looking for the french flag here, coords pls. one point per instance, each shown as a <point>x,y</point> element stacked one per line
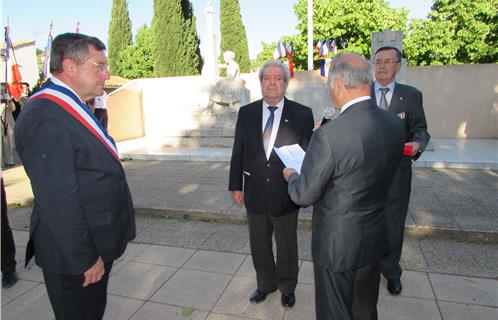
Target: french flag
<point>319,47</point>
<point>283,49</point>
<point>333,47</point>
<point>326,48</point>
<point>290,51</point>
<point>277,54</point>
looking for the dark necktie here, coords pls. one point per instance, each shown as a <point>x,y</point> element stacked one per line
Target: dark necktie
<point>383,100</point>
<point>268,127</point>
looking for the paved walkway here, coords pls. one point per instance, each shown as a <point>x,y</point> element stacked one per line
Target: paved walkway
<point>441,153</point>
<point>180,267</point>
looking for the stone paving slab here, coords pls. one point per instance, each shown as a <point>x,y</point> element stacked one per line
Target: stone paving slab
<point>161,281</point>
<point>457,311</point>
<point>442,200</point>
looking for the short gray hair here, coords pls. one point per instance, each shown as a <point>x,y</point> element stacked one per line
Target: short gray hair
<point>72,46</point>
<point>353,74</point>
<point>275,63</point>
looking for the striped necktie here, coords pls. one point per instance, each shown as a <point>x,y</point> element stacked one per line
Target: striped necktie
<point>268,127</point>
<point>383,100</point>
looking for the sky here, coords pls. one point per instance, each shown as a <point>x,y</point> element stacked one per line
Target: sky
<point>264,20</point>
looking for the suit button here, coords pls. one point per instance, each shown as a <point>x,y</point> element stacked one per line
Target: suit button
<point>267,179</point>
<point>268,165</point>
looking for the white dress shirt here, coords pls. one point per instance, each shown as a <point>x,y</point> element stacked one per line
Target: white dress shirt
<point>356,100</point>
<point>276,123</point>
<point>389,94</point>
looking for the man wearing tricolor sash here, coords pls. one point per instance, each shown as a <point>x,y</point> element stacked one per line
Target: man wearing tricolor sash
<point>83,215</point>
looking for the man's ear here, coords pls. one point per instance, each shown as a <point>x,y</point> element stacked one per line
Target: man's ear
<point>69,65</point>
<point>398,66</point>
<point>339,83</point>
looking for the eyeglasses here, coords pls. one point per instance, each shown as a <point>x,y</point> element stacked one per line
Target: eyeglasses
<point>100,66</point>
<point>385,62</point>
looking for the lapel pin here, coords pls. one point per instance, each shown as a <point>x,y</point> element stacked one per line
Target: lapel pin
<point>286,120</point>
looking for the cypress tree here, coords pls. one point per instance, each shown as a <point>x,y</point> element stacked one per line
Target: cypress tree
<point>233,33</point>
<point>175,43</point>
<point>120,35</point>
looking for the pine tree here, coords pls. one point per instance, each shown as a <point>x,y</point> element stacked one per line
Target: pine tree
<point>233,33</point>
<point>175,43</point>
<point>120,35</point>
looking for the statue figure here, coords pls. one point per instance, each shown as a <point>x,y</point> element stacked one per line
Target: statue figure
<point>233,69</point>
<point>231,90</point>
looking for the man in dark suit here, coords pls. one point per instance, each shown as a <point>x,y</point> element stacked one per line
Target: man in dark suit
<point>406,102</point>
<point>346,173</point>
<point>83,214</point>
<point>274,121</point>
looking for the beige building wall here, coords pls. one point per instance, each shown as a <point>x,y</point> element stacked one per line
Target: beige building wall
<point>460,101</point>
<point>26,59</point>
<point>125,112</point>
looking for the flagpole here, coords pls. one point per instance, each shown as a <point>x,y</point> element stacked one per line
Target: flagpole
<point>310,34</point>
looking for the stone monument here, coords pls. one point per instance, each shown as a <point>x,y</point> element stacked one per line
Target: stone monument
<point>230,91</point>
<point>392,39</point>
<point>209,69</point>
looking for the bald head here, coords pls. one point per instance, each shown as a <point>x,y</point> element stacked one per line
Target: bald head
<point>350,77</point>
<point>353,69</point>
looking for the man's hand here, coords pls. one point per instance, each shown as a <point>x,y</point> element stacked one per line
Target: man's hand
<point>317,125</point>
<point>95,273</point>
<point>287,172</point>
<point>238,197</point>
<point>415,147</point>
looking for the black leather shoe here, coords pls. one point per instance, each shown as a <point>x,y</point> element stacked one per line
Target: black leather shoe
<point>288,300</point>
<point>9,279</point>
<point>259,296</point>
<point>394,286</point>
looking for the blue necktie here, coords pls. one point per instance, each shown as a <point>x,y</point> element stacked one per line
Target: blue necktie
<point>268,127</point>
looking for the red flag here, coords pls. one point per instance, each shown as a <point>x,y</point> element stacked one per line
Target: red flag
<point>15,86</point>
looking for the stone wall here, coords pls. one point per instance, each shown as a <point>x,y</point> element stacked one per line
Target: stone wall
<point>460,101</point>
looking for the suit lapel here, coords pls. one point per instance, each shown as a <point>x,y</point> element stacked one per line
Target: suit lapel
<point>286,121</point>
<point>257,115</point>
<point>396,100</point>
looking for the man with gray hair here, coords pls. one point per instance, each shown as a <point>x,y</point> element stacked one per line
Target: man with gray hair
<point>346,173</point>
<point>256,180</point>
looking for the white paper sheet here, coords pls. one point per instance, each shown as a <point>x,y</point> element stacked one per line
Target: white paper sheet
<point>292,156</point>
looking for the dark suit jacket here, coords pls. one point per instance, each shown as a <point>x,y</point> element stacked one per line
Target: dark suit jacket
<point>406,101</point>
<point>82,207</point>
<point>346,173</point>
<point>265,190</point>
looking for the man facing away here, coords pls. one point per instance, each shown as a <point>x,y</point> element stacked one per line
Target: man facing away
<point>346,173</point>
<point>83,214</point>
<point>256,180</point>
<point>406,102</point>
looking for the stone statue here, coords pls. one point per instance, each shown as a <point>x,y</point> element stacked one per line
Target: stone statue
<point>230,91</point>
<point>233,69</point>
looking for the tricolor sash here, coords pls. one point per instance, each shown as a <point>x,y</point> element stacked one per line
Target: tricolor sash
<point>67,100</point>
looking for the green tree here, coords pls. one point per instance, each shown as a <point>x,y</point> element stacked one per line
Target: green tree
<point>137,60</point>
<point>175,43</point>
<point>349,22</point>
<point>233,33</point>
<point>456,31</point>
<point>119,35</point>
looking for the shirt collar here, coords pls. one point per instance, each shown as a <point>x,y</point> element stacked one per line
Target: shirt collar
<point>377,86</point>
<point>350,103</point>
<point>59,82</point>
<point>278,105</point>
